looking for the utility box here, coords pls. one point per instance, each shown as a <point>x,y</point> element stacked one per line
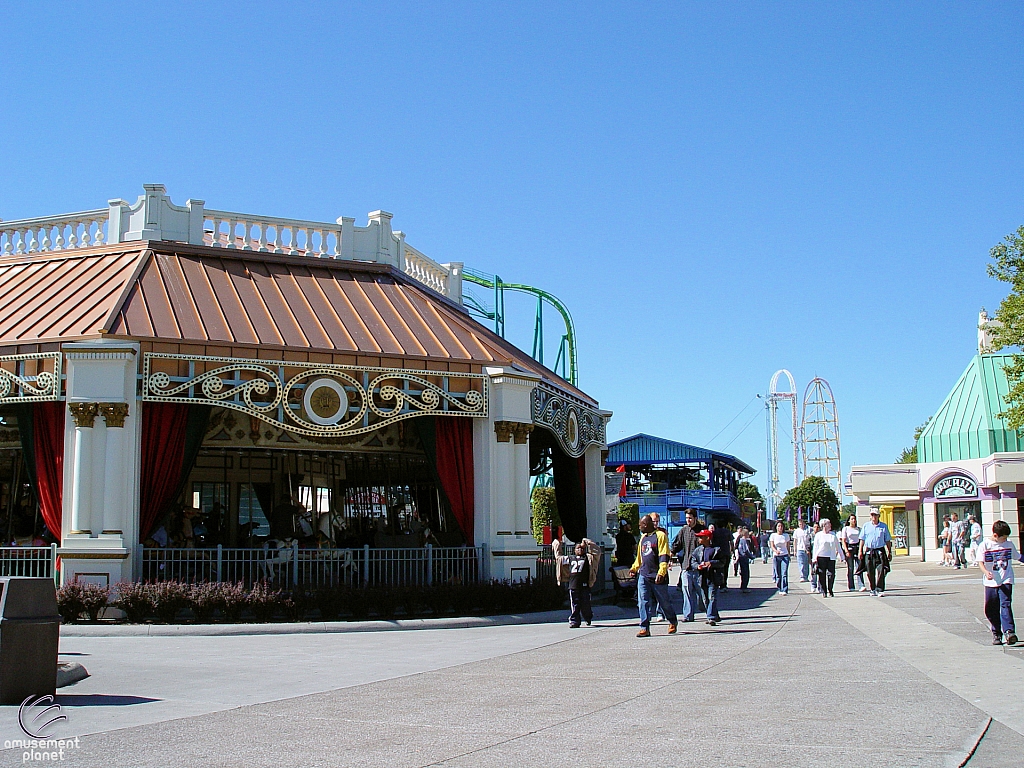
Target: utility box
<point>29,636</point>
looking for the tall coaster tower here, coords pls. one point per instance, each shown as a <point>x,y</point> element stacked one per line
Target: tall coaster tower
<point>774,497</point>
<point>821,434</point>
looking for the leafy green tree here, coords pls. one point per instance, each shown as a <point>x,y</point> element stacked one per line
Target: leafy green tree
<point>849,509</point>
<point>747,490</point>
<point>1008,266</point>
<point>813,490</point>
<point>544,509</point>
<point>631,513</point>
<point>909,455</point>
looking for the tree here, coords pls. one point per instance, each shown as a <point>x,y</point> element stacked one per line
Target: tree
<point>747,490</point>
<point>1008,266</point>
<point>544,509</point>
<point>909,455</point>
<point>813,490</point>
<point>631,514</point>
<point>849,509</point>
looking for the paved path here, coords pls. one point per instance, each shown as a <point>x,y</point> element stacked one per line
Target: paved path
<point>794,675</point>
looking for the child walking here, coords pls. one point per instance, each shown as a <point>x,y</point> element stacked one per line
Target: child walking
<point>579,572</point>
<point>996,556</point>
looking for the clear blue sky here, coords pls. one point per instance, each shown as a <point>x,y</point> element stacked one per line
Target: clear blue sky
<point>717,190</point>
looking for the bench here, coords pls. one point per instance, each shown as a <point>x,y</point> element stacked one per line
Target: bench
<point>624,582</point>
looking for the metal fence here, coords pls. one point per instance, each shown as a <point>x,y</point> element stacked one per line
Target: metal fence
<point>40,562</point>
<point>290,566</point>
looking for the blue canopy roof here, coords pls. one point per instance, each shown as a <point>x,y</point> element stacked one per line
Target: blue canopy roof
<point>644,450</point>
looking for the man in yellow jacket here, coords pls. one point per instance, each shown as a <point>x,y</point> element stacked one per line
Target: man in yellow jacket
<point>651,570</point>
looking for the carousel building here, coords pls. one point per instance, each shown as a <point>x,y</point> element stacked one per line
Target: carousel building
<point>178,380</point>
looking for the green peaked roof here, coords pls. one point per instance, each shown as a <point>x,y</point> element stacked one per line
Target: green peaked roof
<point>967,424</point>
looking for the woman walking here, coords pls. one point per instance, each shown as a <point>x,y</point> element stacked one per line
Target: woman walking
<point>849,538</point>
<point>779,542</point>
<point>825,553</point>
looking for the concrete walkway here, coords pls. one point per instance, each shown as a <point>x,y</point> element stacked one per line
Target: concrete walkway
<point>792,676</point>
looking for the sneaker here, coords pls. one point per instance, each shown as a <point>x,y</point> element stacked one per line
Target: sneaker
<point>830,594</point>
<point>672,628</point>
<point>881,593</point>
<point>644,633</point>
<point>1011,638</point>
<point>997,639</point>
<point>714,622</point>
<point>863,589</point>
<point>658,619</point>
<point>784,592</point>
<point>588,623</point>
<point>574,626</point>
<point>874,593</point>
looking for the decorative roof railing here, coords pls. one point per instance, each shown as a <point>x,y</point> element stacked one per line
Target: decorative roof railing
<point>154,217</point>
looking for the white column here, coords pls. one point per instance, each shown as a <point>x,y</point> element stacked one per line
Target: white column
<point>114,479</point>
<point>84,415</point>
<point>521,479</point>
<point>503,468</point>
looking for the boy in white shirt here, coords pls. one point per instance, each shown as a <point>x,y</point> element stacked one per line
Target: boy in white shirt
<point>996,556</point>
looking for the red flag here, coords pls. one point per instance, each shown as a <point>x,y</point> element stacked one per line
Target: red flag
<point>622,468</point>
<point>622,488</point>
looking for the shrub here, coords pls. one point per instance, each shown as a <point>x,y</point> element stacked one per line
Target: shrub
<point>438,598</point>
<point>330,601</point>
<point>135,599</point>
<point>204,598</point>
<point>544,510</point>
<point>264,601</point>
<point>234,600</point>
<point>169,598</point>
<point>298,603</point>
<point>384,600</point>
<point>358,603</point>
<point>70,602</point>
<point>411,599</point>
<point>94,599</point>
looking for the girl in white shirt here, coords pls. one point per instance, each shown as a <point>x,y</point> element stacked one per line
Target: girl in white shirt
<point>825,551</point>
<point>849,537</point>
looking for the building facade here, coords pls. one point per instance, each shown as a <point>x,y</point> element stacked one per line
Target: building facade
<point>186,377</point>
<point>969,462</point>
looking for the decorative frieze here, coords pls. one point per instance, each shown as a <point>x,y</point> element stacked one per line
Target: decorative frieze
<point>575,424</point>
<point>317,400</point>
<point>84,414</point>
<point>18,385</point>
<point>114,414</point>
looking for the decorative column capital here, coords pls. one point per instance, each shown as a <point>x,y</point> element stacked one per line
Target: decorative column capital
<point>84,414</point>
<point>504,430</point>
<point>521,433</point>
<point>114,414</point>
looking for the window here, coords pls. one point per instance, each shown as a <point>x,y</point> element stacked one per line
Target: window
<point>250,512</point>
<point>205,495</point>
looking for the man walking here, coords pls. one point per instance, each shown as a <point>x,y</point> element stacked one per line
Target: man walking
<point>682,547</point>
<point>651,570</point>
<point>802,545</point>
<point>956,532</point>
<point>876,552</point>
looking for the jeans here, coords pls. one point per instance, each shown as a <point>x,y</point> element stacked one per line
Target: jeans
<point>999,608</point>
<point>803,563</point>
<point>744,572</point>
<point>579,604</point>
<point>688,586</point>
<point>780,567</point>
<point>877,562</point>
<point>959,558</point>
<point>709,591</point>
<point>649,595</point>
<point>765,554</point>
<point>852,564</point>
<point>826,575</point>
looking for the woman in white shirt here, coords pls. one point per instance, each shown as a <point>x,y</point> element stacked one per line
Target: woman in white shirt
<point>849,537</point>
<point>825,551</point>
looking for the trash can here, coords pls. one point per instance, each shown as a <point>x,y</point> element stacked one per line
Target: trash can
<point>29,635</point>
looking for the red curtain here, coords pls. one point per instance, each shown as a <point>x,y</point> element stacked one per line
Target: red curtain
<point>455,468</point>
<point>48,449</point>
<point>164,426</point>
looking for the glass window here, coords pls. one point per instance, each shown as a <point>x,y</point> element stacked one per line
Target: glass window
<point>205,495</point>
<point>251,512</point>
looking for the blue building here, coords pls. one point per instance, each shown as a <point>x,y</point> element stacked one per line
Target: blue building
<point>668,477</point>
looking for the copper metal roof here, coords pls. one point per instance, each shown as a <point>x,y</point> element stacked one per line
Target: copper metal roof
<point>196,294</point>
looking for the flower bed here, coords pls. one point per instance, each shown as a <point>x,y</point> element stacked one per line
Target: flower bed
<point>175,602</point>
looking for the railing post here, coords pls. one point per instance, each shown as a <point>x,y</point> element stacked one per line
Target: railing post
<point>485,564</point>
<point>53,565</point>
<point>220,561</point>
<point>430,563</point>
<point>366,564</point>
<point>295,563</point>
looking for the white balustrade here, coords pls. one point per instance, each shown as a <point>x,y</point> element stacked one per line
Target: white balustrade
<point>154,217</point>
<point>53,233</point>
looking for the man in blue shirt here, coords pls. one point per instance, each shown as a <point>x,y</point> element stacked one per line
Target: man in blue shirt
<point>876,552</point>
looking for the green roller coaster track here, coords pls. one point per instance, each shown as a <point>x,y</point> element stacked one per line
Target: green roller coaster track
<point>565,362</point>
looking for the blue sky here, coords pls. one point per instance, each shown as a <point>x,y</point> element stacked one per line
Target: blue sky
<point>716,190</point>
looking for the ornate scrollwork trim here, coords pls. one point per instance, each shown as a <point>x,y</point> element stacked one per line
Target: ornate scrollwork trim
<point>575,424</point>
<point>285,394</point>
<point>19,388</point>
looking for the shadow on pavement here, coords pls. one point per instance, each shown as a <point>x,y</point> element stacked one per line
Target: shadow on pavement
<point>101,700</point>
